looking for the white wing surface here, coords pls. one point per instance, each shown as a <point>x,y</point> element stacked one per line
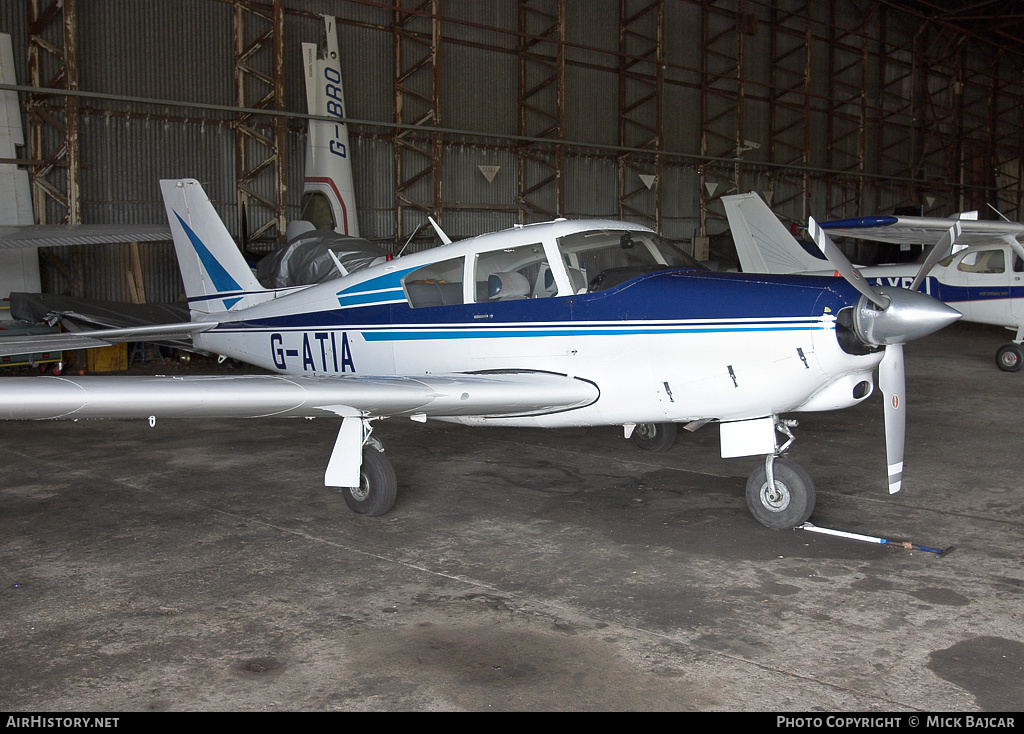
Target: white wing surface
<point>56,235</point>
<point>924,230</point>
<point>256,396</point>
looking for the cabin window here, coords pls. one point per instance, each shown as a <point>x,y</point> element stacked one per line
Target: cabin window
<point>317,210</point>
<point>983,261</point>
<point>514,273</point>
<point>437,284</point>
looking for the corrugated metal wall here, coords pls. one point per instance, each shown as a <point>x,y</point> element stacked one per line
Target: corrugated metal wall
<point>733,72</point>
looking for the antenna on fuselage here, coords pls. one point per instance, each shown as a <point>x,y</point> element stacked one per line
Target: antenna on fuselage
<point>1004,217</point>
<point>414,232</point>
<point>337,263</point>
<point>440,232</point>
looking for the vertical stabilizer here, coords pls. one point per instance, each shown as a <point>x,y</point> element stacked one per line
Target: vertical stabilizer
<point>328,199</point>
<point>215,274</point>
<point>763,243</point>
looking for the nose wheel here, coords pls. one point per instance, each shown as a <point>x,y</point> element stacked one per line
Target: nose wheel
<point>780,494</point>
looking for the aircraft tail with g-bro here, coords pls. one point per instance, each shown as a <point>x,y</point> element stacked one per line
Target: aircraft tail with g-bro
<point>564,323</point>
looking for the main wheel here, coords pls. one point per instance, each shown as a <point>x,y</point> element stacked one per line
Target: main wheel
<point>654,436</point>
<point>1010,357</point>
<point>377,488</point>
<point>788,503</point>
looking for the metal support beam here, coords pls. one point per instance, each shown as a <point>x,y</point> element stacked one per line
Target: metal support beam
<point>847,110</point>
<point>641,95</point>
<point>260,142</point>
<point>789,109</point>
<point>541,51</point>
<point>54,120</point>
<point>721,104</point>
<point>416,31</point>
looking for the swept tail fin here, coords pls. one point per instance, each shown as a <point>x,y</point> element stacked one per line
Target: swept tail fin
<point>763,243</point>
<point>215,274</point>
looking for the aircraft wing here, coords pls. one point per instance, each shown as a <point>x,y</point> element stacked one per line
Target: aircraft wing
<point>256,396</point>
<point>10,345</point>
<point>906,230</point>
<point>55,235</point>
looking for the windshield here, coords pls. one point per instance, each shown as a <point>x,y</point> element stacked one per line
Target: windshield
<point>600,259</point>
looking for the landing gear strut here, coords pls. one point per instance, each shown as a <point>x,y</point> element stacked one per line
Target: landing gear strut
<point>780,494</point>
<point>378,486</point>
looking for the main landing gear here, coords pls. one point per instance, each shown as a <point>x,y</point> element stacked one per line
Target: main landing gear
<point>1010,357</point>
<point>378,486</point>
<point>654,436</point>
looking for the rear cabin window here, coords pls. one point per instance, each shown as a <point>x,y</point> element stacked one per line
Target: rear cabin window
<point>983,261</point>
<point>437,284</point>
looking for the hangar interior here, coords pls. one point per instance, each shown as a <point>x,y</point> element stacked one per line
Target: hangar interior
<point>485,115</point>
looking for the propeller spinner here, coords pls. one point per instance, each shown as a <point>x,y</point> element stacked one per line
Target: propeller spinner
<point>890,317</point>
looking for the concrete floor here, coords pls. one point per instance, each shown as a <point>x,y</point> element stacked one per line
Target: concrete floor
<point>203,566</point>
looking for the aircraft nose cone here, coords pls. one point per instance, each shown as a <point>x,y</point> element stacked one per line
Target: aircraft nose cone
<point>910,315</point>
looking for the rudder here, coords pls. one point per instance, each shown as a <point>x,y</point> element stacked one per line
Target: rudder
<point>215,274</point>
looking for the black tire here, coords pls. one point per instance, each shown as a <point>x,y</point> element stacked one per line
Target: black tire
<point>1010,357</point>
<point>654,436</point>
<point>792,501</point>
<point>378,486</point>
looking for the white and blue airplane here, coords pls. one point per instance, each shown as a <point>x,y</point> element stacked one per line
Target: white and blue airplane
<point>975,266</point>
<point>565,323</point>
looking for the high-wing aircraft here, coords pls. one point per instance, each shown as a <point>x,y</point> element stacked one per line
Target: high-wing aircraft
<point>565,323</point>
<point>982,279</point>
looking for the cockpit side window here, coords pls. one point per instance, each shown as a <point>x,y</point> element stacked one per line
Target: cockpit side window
<point>437,284</point>
<point>316,209</point>
<point>983,261</point>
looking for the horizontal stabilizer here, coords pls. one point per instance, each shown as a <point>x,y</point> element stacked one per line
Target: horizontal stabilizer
<point>10,345</point>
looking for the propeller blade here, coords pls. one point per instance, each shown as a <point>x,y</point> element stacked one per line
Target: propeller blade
<point>942,248</point>
<point>892,383</point>
<point>845,268</point>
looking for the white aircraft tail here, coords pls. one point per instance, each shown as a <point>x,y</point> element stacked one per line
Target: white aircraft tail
<point>216,276</point>
<point>328,199</point>
<point>763,243</point>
